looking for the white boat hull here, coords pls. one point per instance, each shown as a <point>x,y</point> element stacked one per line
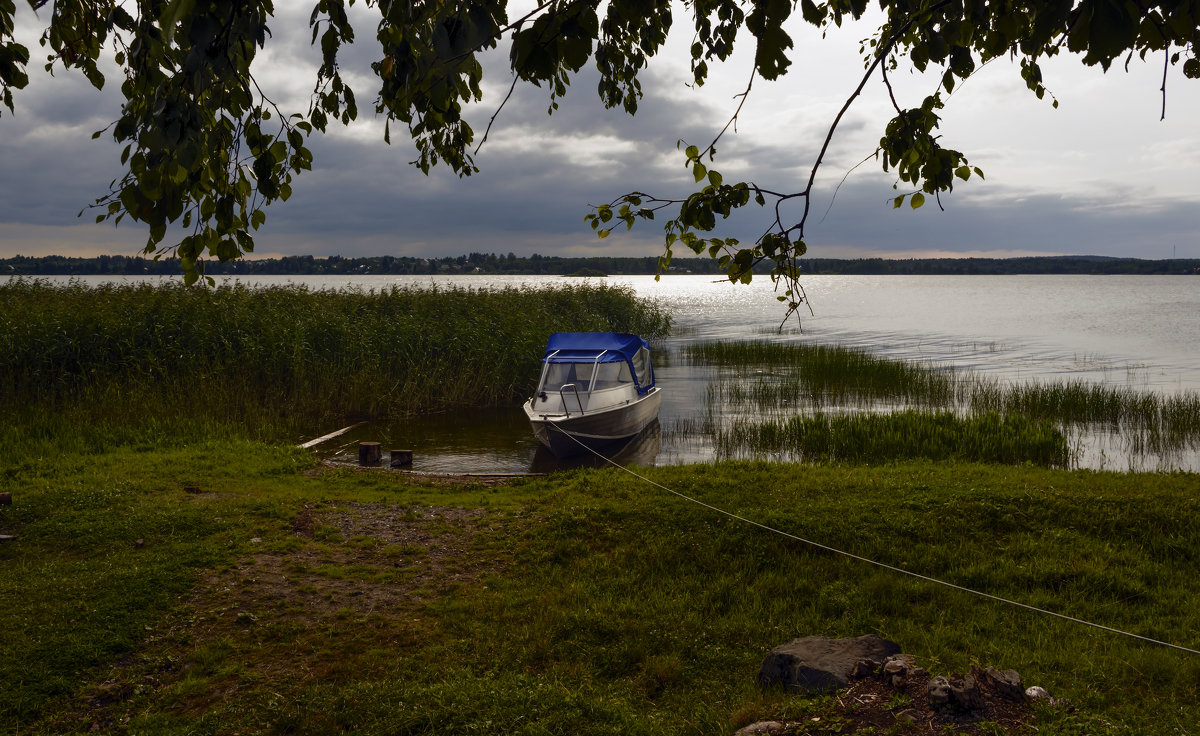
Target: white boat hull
<point>574,433</point>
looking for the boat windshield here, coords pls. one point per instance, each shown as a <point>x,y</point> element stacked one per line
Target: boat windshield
<point>607,375</point>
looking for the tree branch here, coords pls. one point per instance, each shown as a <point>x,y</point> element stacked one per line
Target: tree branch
<point>879,57</point>
<point>497,113</point>
<point>711,148</point>
<point>1163,88</point>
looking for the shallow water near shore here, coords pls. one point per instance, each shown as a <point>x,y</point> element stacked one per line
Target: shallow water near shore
<point>1138,332</point>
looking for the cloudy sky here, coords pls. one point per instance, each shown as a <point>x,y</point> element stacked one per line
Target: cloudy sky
<point>1099,175</point>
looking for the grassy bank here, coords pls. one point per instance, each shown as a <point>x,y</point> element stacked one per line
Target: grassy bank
<point>282,599</point>
<point>134,362</point>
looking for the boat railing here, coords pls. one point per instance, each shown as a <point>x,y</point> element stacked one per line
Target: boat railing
<point>563,396</point>
<point>595,377</point>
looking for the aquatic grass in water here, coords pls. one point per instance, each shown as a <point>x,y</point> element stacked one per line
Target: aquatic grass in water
<point>794,378</point>
<point>823,374</point>
<point>905,435</point>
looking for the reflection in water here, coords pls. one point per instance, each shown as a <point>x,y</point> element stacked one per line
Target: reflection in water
<point>639,450</point>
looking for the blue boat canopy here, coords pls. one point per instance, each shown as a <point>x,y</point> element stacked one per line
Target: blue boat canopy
<point>611,347</point>
<point>571,346</point>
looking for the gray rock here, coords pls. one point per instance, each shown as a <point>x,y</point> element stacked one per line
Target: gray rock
<point>864,668</point>
<point>898,664</point>
<point>966,694</point>
<point>961,693</point>
<point>899,667</point>
<point>1038,693</point>
<point>1004,683</point>
<point>762,728</point>
<point>816,664</point>
<point>939,692</point>
<point>908,715</point>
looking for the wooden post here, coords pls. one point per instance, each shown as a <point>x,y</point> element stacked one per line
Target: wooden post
<point>369,453</point>
<point>6,499</point>
<point>400,458</point>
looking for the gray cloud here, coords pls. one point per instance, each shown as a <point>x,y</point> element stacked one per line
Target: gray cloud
<point>539,174</point>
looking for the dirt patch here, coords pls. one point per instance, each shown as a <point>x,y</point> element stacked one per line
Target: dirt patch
<point>369,558</point>
<point>876,704</point>
<point>342,580</point>
<point>474,480</point>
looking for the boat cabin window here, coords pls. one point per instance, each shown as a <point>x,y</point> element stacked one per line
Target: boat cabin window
<point>607,375</point>
<point>641,364</point>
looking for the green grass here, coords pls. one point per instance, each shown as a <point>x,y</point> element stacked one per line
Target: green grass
<point>582,603</point>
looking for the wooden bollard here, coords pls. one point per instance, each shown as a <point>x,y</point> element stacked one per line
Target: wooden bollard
<point>400,458</point>
<point>369,453</point>
<point>5,499</point>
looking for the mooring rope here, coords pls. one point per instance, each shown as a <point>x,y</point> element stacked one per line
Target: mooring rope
<point>876,563</point>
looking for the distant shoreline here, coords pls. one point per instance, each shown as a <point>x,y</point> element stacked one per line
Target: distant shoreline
<point>536,265</point>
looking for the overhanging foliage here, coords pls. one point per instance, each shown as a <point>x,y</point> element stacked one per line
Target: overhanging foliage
<point>206,149</point>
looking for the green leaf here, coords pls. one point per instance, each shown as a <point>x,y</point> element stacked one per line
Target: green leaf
<point>174,12</point>
<point>917,200</point>
<point>699,171</point>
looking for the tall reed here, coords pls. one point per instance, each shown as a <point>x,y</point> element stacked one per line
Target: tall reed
<point>905,435</point>
<point>821,374</point>
<point>273,358</point>
<point>799,377</point>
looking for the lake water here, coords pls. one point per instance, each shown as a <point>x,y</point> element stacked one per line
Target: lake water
<point>1137,331</point>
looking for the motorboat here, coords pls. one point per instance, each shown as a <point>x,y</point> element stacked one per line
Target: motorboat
<point>596,389</point>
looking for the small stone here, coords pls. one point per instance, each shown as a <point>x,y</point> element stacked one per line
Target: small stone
<point>863,668</point>
<point>1037,692</point>
<point>939,692</point>
<point>255,540</point>
<point>966,693</point>
<point>1004,683</point>
<point>898,667</point>
<point>139,543</point>
<point>762,728</point>
<point>908,715</point>
<point>899,662</point>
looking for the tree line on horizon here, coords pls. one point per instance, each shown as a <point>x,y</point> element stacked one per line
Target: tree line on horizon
<point>496,264</point>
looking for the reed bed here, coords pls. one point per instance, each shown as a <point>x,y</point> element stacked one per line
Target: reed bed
<point>823,374</point>
<point>282,358</point>
<point>905,435</point>
<point>803,378</point>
